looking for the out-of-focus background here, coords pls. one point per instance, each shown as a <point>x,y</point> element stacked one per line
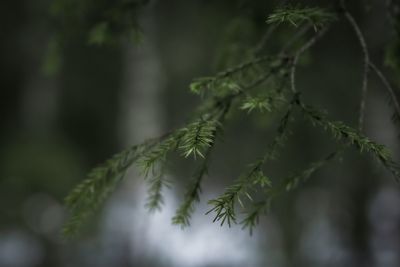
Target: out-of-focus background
<point>62,115</point>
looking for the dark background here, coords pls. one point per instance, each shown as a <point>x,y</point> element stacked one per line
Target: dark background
<point>63,114</point>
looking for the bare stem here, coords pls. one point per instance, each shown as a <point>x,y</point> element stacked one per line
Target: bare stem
<point>242,66</point>
<point>264,39</point>
<point>388,87</point>
<point>297,55</point>
<point>295,36</point>
<point>363,44</point>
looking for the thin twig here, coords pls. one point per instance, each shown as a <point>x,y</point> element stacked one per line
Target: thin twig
<point>264,39</point>
<point>242,66</point>
<point>267,35</point>
<point>292,75</point>
<point>289,43</point>
<point>363,44</point>
<point>388,87</point>
<point>295,36</point>
<point>297,55</point>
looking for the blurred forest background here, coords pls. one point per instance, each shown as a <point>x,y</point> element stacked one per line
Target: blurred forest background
<point>67,108</point>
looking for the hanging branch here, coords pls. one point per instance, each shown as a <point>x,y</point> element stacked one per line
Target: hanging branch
<point>341,131</point>
<point>192,195</point>
<point>252,216</point>
<point>295,15</point>
<point>157,182</point>
<point>86,198</point>
<point>224,205</point>
<point>197,138</point>
<point>184,213</point>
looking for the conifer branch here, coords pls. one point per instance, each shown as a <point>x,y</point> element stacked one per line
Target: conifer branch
<point>252,216</point>
<point>266,36</point>
<point>296,15</point>
<point>192,195</point>
<point>184,212</point>
<point>152,158</point>
<point>282,135</point>
<point>153,165</point>
<point>251,219</point>
<point>223,79</point>
<point>198,136</point>
<point>254,83</point>
<point>341,131</point>
<point>155,198</point>
<point>265,102</point>
<point>224,205</point>
<point>86,197</point>
<point>197,139</point>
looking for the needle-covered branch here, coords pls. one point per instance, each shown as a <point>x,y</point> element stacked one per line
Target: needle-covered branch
<point>263,83</point>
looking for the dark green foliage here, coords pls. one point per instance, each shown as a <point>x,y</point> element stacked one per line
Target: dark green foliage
<point>258,208</point>
<point>224,205</point>
<point>264,102</point>
<point>212,129</point>
<point>341,131</point>
<point>153,165</point>
<point>233,80</point>
<point>252,216</point>
<point>260,82</point>
<point>192,195</point>
<point>152,159</point>
<point>87,197</point>
<point>198,136</point>
<point>155,198</point>
<point>296,15</point>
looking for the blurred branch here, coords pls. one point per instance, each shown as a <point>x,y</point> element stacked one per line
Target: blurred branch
<point>363,44</point>
<point>389,88</point>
